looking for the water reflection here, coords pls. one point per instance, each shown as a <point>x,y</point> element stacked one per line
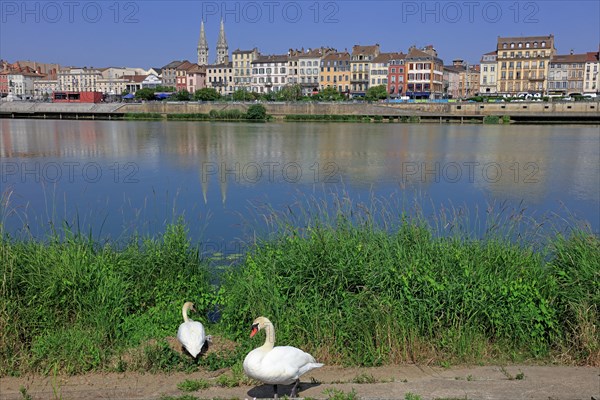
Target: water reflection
<point>218,167</point>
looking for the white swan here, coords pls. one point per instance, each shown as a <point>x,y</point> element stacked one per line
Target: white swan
<point>191,333</point>
<point>277,365</point>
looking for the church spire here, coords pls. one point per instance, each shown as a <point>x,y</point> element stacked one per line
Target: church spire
<point>202,46</point>
<point>222,47</point>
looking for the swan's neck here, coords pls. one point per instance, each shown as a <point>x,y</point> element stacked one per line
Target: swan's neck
<point>270,336</point>
<point>184,312</point>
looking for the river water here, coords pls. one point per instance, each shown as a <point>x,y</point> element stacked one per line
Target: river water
<point>110,179</point>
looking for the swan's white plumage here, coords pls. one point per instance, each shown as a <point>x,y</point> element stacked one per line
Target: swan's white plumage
<point>191,333</point>
<point>277,365</point>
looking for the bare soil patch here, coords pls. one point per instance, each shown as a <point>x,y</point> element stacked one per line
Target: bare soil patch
<point>389,382</point>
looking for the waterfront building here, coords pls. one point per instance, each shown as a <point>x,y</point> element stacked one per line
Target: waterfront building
<point>566,74</point>
<point>44,87</point>
<point>335,72</point>
<point>181,76</point>
<point>242,68</point>
<point>220,77</point>
<point>168,74</point>
<point>425,73</point>
<point>21,82</point>
<point>309,67</point>
<point>462,79</point>
<point>196,78</point>
<point>360,64</point>
<point>396,85</point>
<point>379,69</point>
<point>523,63</point>
<point>591,80</point>
<point>76,79</point>
<point>451,79</point>
<point>487,78</point>
<point>269,73</point>
<point>292,70</point>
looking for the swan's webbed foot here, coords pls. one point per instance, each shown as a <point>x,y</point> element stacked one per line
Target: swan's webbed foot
<point>295,388</point>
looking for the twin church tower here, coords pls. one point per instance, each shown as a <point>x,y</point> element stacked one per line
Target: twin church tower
<point>222,47</point>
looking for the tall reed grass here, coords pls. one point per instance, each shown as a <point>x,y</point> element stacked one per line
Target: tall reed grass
<point>354,283</point>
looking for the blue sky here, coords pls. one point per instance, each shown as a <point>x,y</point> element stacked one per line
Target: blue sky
<point>153,33</point>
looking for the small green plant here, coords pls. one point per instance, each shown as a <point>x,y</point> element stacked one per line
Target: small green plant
<point>335,394</point>
<point>193,385</point>
<point>364,378</point>
<point>520,376</point>
<point>412,396</point>
<point>470,378</point>
<point>184,397</point>
<point>24,394</point>
<point>491,119</point>
<point>227,381</point>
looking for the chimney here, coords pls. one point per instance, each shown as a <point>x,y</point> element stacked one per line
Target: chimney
<point>571,52</point>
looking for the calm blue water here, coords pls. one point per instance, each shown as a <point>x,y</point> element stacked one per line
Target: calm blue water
<point>114,178</point>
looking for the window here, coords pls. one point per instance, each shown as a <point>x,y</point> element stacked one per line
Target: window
<point>512,45</point>
<point>543,44</point>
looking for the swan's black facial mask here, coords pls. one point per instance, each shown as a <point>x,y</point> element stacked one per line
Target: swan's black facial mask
<point>254,330</point>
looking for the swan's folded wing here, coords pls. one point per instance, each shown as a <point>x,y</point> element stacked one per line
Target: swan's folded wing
<point>191,335</point>
<point>292,361</point>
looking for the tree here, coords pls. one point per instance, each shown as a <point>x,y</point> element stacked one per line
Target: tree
<point>290,93</point>
<point>160,88</point>
<point>145,94</point>
<point>207,94</point>
<point>256,112</point>
<point>329,94</point>
<point>182,95</point>
<point>376,93</point>
<point>242,95</point>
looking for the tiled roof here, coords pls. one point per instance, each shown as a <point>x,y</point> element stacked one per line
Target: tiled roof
<point>172,64</point>
<point>569,58</point>
<point>273,58</point>
<point>371,49</point>
<point>135,78</point>
<point>343,56</point>
<point>387,57</point>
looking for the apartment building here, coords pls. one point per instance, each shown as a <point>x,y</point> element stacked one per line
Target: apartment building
<point>379,68</point>
<point>220,77</point>
<point>242,68</point>
<point>523,63</point>
<point>566,74</point>
<point>425,73</point>
<point>269,73</point>
<point>335,71</point>
<point>591,79</point>
<point>396,86</point>
<point>487,78</point>
<point>360,61</point>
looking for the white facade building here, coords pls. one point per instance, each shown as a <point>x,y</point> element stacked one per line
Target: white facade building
<point>269,73</point>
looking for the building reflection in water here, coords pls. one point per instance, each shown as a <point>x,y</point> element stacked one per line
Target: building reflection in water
<point>536,164</point>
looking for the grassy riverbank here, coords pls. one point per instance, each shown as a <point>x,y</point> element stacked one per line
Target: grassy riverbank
<point>351,293</point>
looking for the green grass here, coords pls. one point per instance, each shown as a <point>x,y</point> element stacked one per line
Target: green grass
<point>347,286</point>
<point>193,385</point>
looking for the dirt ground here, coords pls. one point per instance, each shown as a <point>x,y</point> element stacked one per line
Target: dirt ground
<point>390,382</point>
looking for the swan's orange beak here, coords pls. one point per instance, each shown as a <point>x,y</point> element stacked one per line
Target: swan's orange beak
<point>254,330</point>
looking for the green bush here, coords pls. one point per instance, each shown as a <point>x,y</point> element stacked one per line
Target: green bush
<point>256,112</point>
